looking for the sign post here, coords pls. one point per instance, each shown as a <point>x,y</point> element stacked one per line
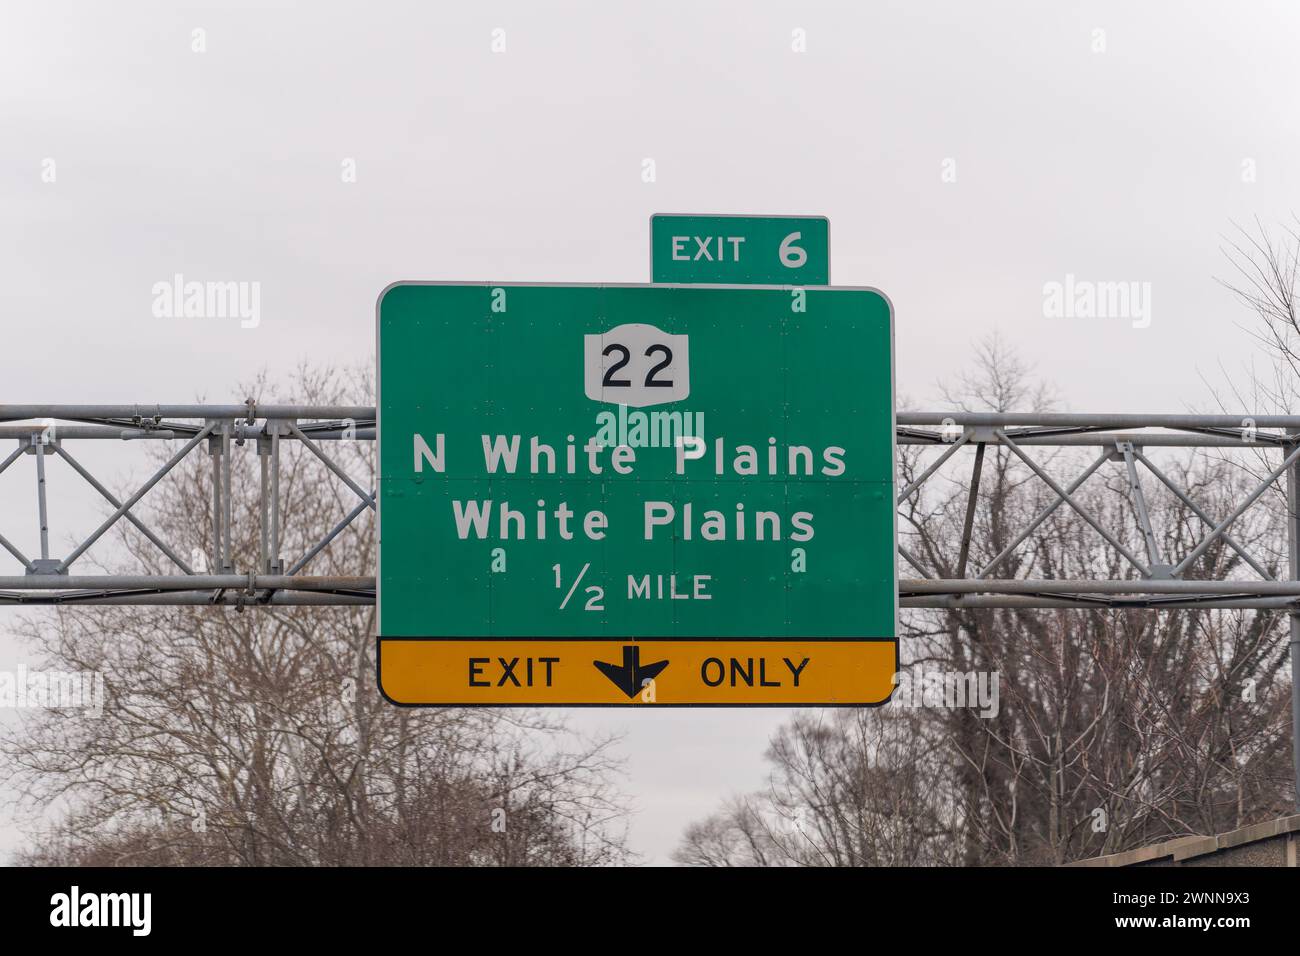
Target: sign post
<point>636,495</point>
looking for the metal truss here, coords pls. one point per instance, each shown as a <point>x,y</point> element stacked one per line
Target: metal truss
<point>46,432</point>
<point>1158,581</point>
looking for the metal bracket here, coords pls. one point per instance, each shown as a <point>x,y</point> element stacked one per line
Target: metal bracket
<point>270,427</point>
<point>1117,453</point>
<point>48,437</point>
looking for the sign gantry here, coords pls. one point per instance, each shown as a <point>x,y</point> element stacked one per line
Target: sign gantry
<point>676,494</point>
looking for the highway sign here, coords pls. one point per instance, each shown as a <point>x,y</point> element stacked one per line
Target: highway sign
<point>635,495</point>
<point>780,250</point>
<point>533,671</point>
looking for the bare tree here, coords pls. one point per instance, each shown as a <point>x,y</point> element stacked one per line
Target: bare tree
<point>847,788</point>
<point>259,737</point>
<point>1265,267</point>
<point>1113,729</point>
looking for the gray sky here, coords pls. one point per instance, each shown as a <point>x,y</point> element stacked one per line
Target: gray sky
<point>1122,165</point>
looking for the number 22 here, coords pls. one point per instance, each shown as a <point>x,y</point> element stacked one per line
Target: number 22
<point>650,381</point>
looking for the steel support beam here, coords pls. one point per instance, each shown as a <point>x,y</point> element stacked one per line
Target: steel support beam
<point>155,413</point>
<point>1043,515</point>
<point>1091,586</point>
<point>934,466</point>
<point>1079,509</point>
<point>343,475</point>
<point>1293,568</point>
<point>972,500</point>
<point>130,502</point>
<point>1140,503</point>
<point>1222,526</point>
<point>1192,507</point>
<point>193,582</point>
<point>1233,423</point>
<point>113,500</point>
<point>334,533</point>
<point>38,447</point>
<point>1096,603</point>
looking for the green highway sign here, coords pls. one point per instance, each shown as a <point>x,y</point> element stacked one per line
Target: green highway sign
<point>776,250</point>
<point>636,495</point>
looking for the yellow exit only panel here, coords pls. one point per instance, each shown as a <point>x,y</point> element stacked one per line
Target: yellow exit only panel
<point>715,672</point>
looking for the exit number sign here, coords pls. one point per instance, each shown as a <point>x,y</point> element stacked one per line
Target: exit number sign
<point>780,250</point>
<point>636,495</point>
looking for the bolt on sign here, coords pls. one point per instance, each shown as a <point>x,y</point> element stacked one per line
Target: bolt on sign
<point>781,250</point>
<point>636,495</point>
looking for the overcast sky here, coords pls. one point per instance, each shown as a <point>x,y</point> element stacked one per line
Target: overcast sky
<point>1108,141</point>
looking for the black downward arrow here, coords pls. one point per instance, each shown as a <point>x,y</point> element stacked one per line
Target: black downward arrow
<point>631,676</point>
